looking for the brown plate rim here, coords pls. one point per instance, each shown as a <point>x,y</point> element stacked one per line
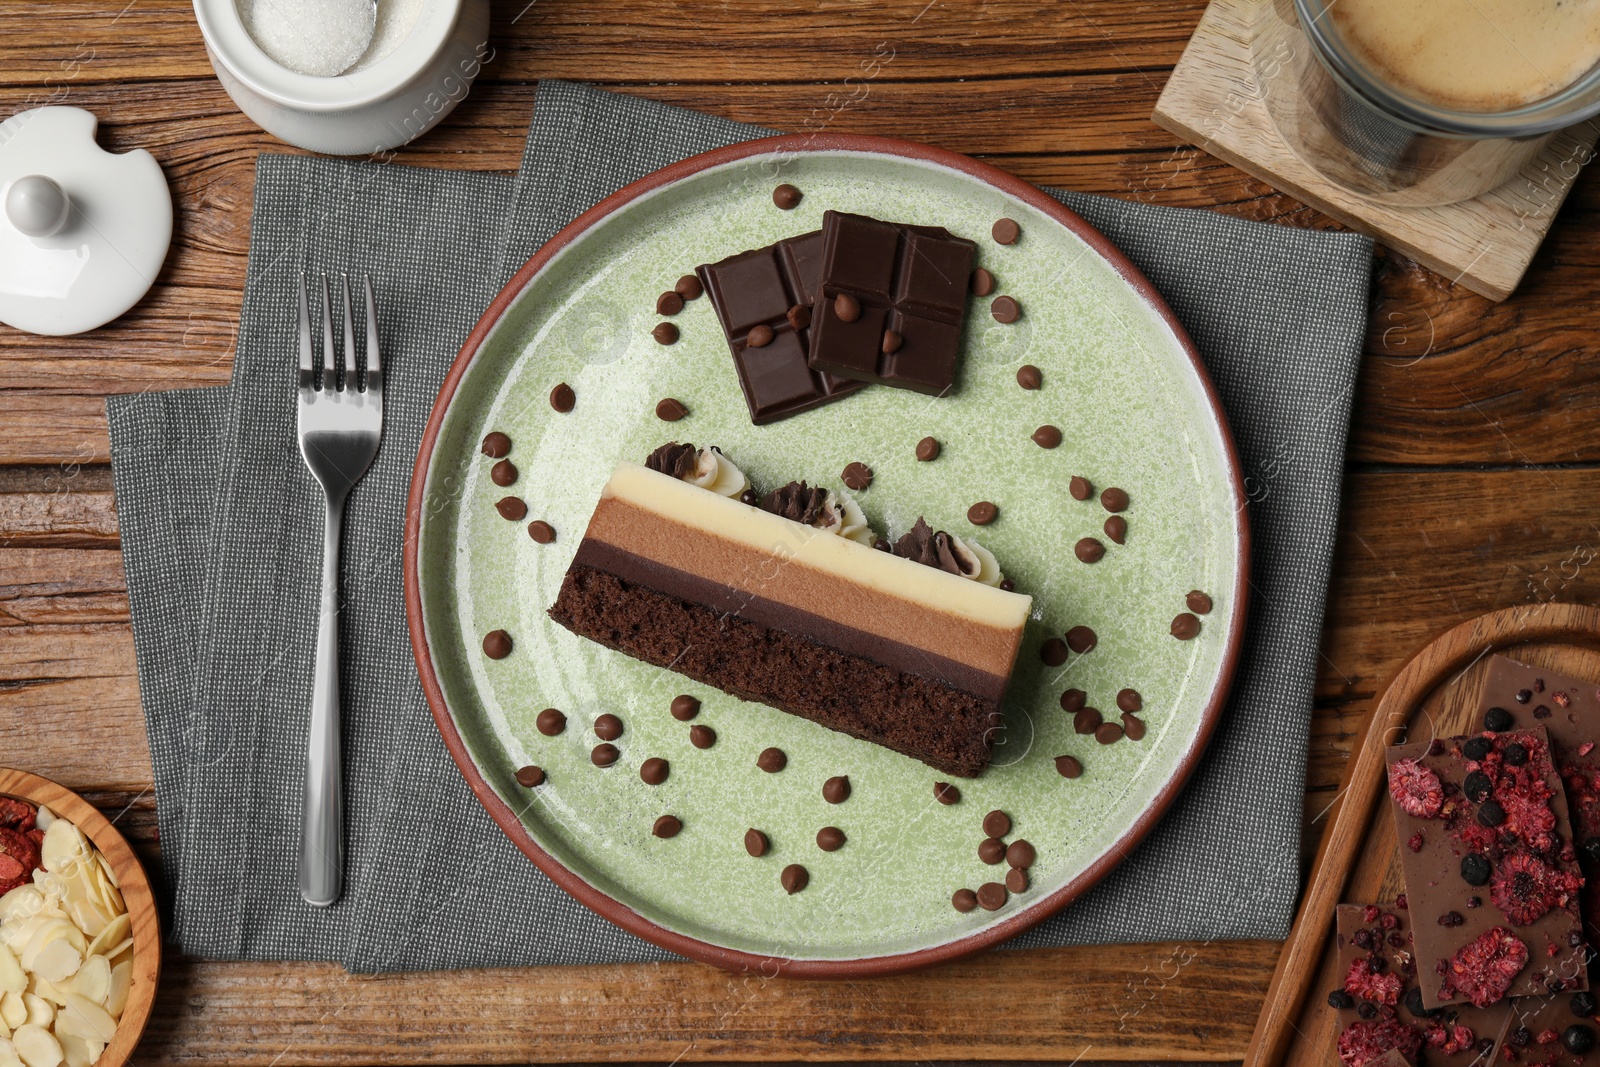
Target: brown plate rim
<point>617,912</point>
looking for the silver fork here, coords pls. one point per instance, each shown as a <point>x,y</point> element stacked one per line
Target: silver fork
<point>340,426</point>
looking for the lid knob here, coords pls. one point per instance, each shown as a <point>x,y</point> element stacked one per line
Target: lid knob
<point>37,206</point>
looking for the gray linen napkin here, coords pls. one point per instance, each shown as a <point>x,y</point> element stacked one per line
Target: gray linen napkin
<point>223,583</point>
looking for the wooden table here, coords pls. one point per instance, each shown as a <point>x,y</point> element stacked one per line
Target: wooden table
<point>1472,468</point>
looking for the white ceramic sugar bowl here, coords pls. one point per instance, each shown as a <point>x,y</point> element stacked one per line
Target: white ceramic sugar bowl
<point>374,106</point>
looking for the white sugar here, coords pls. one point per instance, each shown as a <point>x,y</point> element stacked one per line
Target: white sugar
<point>318,37</point>
<point>396,18</point>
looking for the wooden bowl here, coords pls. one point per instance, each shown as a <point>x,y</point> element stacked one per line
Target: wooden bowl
<point>135,887</point>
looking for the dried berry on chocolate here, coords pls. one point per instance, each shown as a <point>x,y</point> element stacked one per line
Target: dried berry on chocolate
<point>1364,981</point>
<point>1484,968</point>
<point>1524,888</point>
<point>1415,788</point>
<point>1364,1041</point>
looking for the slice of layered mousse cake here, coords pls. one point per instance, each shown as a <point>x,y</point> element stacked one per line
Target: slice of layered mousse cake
<point>783,599</point>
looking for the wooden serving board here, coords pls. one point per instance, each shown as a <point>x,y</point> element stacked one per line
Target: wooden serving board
<point>1437,694</point>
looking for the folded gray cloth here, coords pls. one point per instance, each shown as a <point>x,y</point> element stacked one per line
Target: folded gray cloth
<point>219,518</point>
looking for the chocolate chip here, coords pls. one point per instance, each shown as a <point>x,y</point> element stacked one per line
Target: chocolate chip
<point>511,507</point>
<point>1029,376</point>
<point>1006,231</point>
<point>1129,700</point>
<point>1132,726</point>
<point>665,333</point>
<point>1080,488</point>
<point>562,398</point>
<point>891,342</point>
<point>603,755</point>
<point>794,878</point>
<point>760,336</point>
<point>1475,748</point>
<point>685,707</point>
<point>772,760</point>
<point>836,790</point>
<point>702,736</point>
<point>1068,766</point>
<point>1081,639</point>
<point>1491,814</point>
<point>1198,602</point>
<point>964,900</point>
<point>1114,499</point>
<point>503,473</point>
<point>856,476</point>
<point>1343,1001</point>
<point>1005,309</point>
<point>608,727</point>
<point>927,450</point>
<point>667,826</point>
<point>654,770</point>
<point>1053,652</point>
<point>997,824</point>
<point>787,197</point>
<point>945,793</point>
<point>496,445</point>
<point>669,303</point>
<point>1108,733</point>
<point>982,282</point>
<point>847,307</point>
<point>1047,437</point>
<point>991,850</point>
<point>799,316</point>
<point>755,842</point>
<point>1017,880</point>
<point>1073,699</point>
<point>1086,720</point>
<point>689,287</point>
<point>1089,550</point>
<point>1185,626</point>
<point>497,644</point>
<point>550,722</point>
<point>1497,719</point>
<point>982,513</point>
<point>1020,853</point>
<point>830,839</point>
<point>671,410</point>
<point>542,532</point>
<point>991,896</point>
<point>530,776</point>
<point>1116,528</point>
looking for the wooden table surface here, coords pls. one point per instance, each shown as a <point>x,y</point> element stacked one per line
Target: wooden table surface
<point>1471,476</point>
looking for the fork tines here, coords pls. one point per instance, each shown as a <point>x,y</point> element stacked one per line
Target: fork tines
<point>328,370</point>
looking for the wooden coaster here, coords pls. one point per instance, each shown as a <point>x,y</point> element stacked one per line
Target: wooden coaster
<point>1359,862</point>
<point>1484,244</point>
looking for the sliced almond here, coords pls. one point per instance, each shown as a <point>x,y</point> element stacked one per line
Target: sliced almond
<point>22,902</point>
<point>57,961</point>
<point>87,916</point>
<point>12,980</point>
<point>93,979</point>
<point>36,1046</point>
<point>46,991</point>
<point>117,995</point>
<point>74,1050</point>
<point>101,1024</point>
<point>43,817</point>
<point>111,872</point>
<point>13,1010</point>
<point>8,1054</point>
<point>5,1030</point>
<point>40,1011</point>
<point>45,934</point>
<point>63,845</point>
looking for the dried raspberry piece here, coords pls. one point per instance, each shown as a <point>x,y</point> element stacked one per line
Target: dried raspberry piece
<point>1401,902</point>
<point>1448,1040</point>
<point>1561,698</point>
<point>1484,968</point>
<point>1415,788</point>
<point>1370,913</point>
<point>1364,1041</point>
<point>19,856</point>
<point>1415,842</point>
<point>15,814</point>
<point>1528,815</point>
<point>1363,981</point>
<point>1547,1037</point>
<point>1523,888</point>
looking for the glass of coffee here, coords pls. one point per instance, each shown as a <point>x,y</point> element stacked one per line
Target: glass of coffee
<point>1424,102</point>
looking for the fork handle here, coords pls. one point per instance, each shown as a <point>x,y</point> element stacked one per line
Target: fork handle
<point>322,828</point>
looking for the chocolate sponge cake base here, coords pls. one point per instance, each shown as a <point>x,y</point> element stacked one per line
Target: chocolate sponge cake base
<point>946,728</point>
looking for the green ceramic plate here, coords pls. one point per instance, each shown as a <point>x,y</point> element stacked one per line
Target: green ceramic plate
<point>1120,380</point>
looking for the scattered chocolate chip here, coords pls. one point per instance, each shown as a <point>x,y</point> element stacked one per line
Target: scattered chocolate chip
<point>794,878</point>
<point>550,722</point>
<point>991,896</point>
<point>603,755</point>
<point>1047,437</point>
<point>497,644</point>
<point>685,707</point>
<point>982,282</point>
<point>702,736</point>
<point>1073,699</point>
<point>891,342</point>
<point>1053,652</point>
<point>608,727</point>
<point>1005,309</point>
<point>503,473</point>
<point>1185,626</point>
<point>530,776</point>
<point>1129,700</point>
<point>1017,880</point>
<point>997,824</point>
<point>982,513</point>
<point>772,760</point>
<point>1006,231</point>
<point>945,793</point>
<point>830,839</point>
<point>511,507</point>
<point>856,476</point>
<point>1497,719</point>
<point>1029,376</point>
<point>689,287</point>
<point>1080,488</point>
<point>1108,733</point>
<point>542,532</point>
<point>654,770</point>
<point>799,316</point>
<point>562,398</point>
<point>1081,639</point>
<point>1087,720</point>
<point>847,307</point>
<point>1198,602</point>
<point>1114,499</point>
<point>669,303</point>
<point>1343,1001</point>
<point>1068,766</point>
<point>927,450</point>
<point>1020,853</point>
<point>787,197</point>
<point>964,900</point>
<point>836,790</point>
<point>1117,529</point>
<point>760,336</point>
<point>671,410</point>
<point>667,826</point>
<point>991,850</point>
<point>755,842</point>
<point>1132,726</point>
<point>665,333</point>
<point>1089,550</point>
<point>496,445</point>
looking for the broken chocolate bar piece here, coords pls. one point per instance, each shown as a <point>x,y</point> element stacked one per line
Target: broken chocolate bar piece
<point>1555,1030</point>
<point>892,304</point>
<point>1491,873</point>
<point>763,299</point>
